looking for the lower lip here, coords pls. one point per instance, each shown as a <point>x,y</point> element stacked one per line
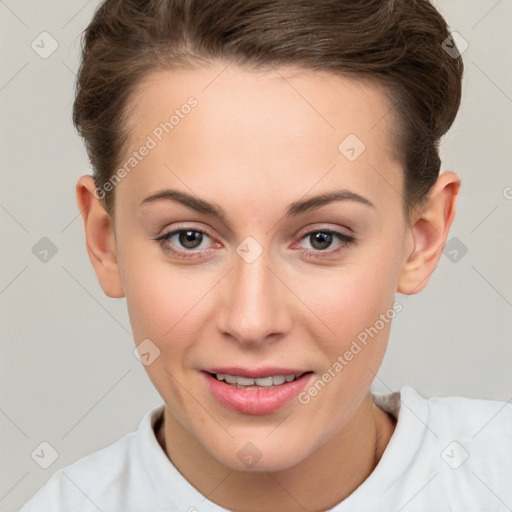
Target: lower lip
<point>256,401</point>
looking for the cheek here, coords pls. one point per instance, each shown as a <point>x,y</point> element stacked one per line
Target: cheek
<point>353,299</point>
<point>166,308</point>
<point>356,306</point>
<point>171,306</point>
<point>152,304</point>
<point>158,299</point>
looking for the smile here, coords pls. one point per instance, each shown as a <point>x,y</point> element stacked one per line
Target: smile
<point>266,382</point>
<point>256,394</point>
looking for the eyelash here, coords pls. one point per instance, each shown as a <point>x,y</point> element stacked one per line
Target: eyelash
<point>345,242</point>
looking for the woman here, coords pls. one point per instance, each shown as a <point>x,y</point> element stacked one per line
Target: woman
<point>266,179</point>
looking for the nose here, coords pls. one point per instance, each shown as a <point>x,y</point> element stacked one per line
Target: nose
<point>254,309</point>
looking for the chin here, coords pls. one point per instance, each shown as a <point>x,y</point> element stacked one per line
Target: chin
<point>261,456</point>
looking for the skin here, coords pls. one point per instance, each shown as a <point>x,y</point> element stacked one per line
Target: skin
<point>256,142</point>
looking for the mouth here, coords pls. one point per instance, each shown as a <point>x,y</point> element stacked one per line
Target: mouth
<point>255,392</point>
<point>257,383</point>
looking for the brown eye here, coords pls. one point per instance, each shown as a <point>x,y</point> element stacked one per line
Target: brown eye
<point>185,243</point>
<point>189,238</point>
<point>326,242</point>
<point>321,240</point>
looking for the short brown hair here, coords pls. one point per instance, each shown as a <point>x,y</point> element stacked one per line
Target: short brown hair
<point>395,43</point>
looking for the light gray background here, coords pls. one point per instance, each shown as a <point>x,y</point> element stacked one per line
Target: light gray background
<point>68,373</point>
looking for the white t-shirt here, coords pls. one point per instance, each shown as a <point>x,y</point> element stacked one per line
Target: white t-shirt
<point>446,454</point>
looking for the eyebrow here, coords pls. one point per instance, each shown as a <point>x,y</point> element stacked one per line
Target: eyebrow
<point>294,209</point>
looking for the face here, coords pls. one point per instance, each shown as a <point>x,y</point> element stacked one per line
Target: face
<point>229,268</point>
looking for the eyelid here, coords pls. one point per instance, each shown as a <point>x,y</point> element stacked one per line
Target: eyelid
<point>326,228</point>
<point>185,226</point>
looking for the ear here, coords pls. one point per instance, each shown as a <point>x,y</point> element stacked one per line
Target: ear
<point>429,229</point>
<point>99,236</point>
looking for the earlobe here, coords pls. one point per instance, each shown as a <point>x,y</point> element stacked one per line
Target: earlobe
<point>429,230</point>
<point>100,237</point>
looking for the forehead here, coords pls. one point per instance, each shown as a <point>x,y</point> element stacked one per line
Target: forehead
<point>332,103</point>
<point>269,129</point>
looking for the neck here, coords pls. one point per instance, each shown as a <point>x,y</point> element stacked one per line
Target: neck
<point>338,467</point>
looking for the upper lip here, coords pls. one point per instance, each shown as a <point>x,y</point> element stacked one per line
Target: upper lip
<point>255,373</point>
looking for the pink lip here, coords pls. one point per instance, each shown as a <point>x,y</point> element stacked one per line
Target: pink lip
<point>256,401</point>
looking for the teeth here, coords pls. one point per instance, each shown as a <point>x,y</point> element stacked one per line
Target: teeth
<point>265,381</point>
<point>242,381</point>
<point>278,380</point>
<point>274,380</point>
